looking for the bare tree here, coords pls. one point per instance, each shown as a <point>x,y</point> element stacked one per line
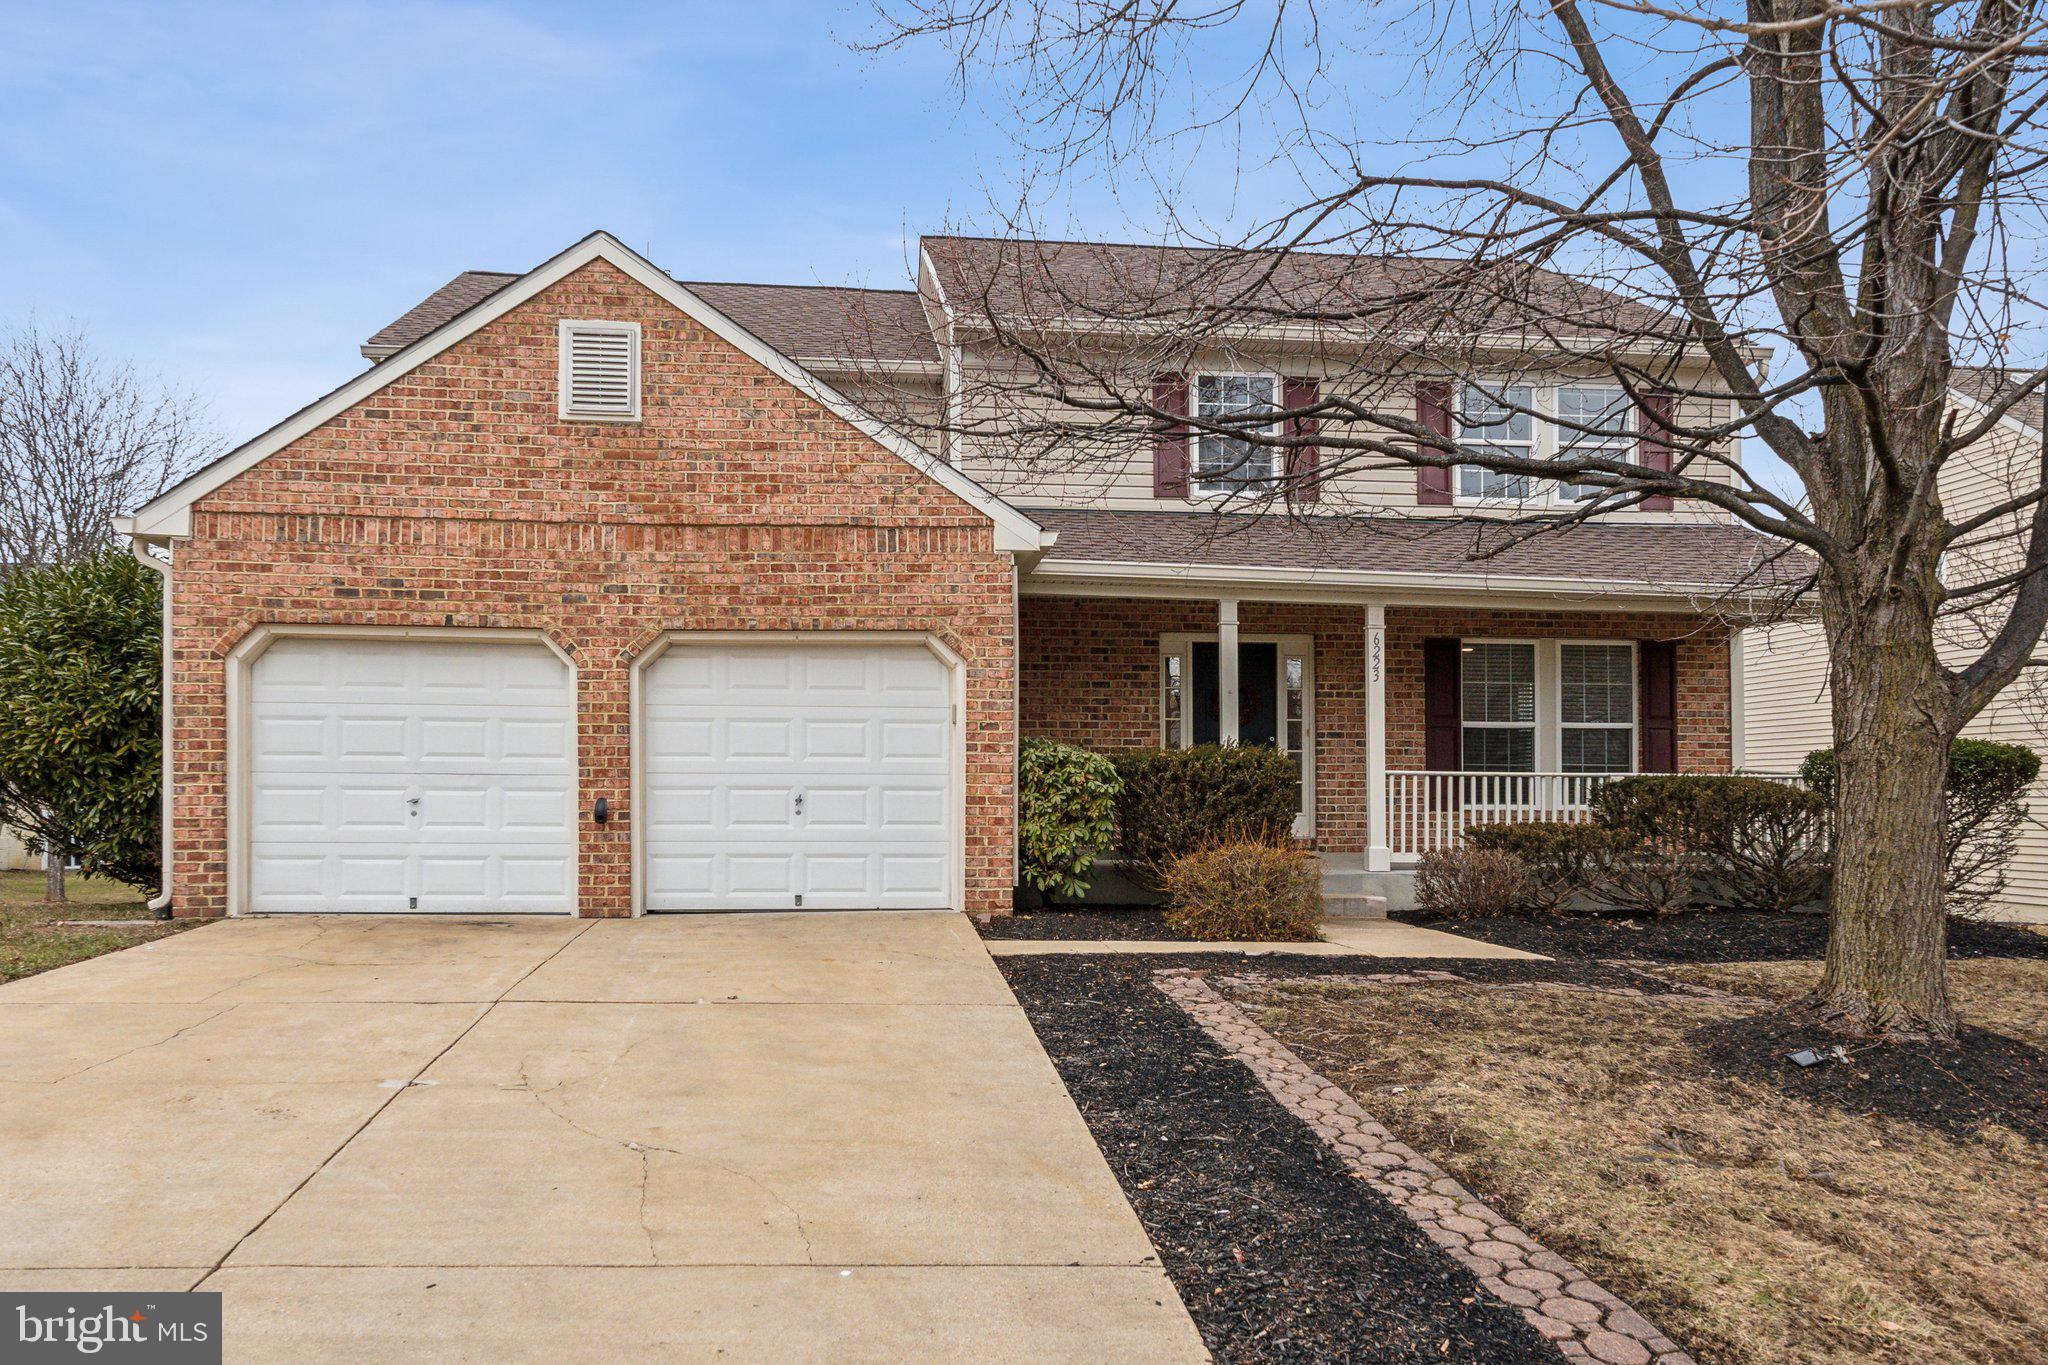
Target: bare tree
<point>82,440</point>
<point>1775,227</point>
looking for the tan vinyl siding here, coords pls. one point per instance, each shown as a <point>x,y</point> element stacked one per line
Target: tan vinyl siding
<point>1785,706</point>
<point>991,411</point>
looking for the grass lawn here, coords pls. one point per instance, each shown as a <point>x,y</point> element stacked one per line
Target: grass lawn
<point>32,941</point>
<point>1748,1221</point>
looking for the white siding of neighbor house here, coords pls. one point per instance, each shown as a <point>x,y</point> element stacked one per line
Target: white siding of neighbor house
<point>1785,696</point>
<point>14,854</point>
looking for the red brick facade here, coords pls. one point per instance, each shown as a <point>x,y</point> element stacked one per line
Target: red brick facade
<point>457,497</point>
<point>1088,673</point>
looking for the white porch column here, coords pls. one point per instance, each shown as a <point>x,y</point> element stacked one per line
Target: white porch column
<point>1378,855</point>
<point>1226,671</point>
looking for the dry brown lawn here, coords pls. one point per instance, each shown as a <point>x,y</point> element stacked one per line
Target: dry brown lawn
<point>1749,1224</point>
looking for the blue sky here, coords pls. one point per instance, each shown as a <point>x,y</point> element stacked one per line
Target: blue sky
<point>234,195</point>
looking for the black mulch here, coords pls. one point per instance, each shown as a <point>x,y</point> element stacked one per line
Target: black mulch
<point>1278,1252</point>
<point>1984,1078</point>
<point>1718,936</point>
<point>1134,923</point>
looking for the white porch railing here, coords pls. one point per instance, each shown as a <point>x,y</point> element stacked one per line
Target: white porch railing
<point>1427,811</point>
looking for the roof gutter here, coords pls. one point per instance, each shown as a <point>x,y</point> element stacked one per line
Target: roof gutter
<point>159,904</point>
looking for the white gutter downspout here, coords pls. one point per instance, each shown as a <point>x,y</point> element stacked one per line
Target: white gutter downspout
<point>161,903</point>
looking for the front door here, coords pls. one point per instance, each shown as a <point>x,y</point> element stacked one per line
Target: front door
<point>1275,700</point>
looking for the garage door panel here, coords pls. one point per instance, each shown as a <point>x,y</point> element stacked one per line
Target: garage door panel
<point>396,775</point>
<point>730,734</point>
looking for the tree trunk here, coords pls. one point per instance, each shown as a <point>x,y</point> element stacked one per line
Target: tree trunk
<point>53,877</point>
<point>1887,963</point>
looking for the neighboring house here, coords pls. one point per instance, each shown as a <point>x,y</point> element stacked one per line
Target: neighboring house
<point>1784,667</point>
<point>603,593</point>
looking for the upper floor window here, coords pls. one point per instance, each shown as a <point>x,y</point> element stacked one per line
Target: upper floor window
<point>600,371</point>
<point>1226,464</point>
<point>1591,420</point>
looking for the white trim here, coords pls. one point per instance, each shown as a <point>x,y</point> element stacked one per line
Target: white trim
<point>1178,645</point>
<point>241,661</point>
<point>956,670</point>
<point>2008,418</point>
<point>565,332</point>
<point>166,784</point>
<point>170,513</point>
<point>1378,854</point>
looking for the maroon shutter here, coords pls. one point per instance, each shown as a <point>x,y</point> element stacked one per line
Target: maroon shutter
<point>1302,484</point>
<point>1657,705</point>
<point>1170,441</point>
<point>1442,707</point>
<point>1653,448</point>
<point>1433,414</point>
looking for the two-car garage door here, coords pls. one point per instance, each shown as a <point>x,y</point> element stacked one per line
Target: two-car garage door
<point>438,775</point>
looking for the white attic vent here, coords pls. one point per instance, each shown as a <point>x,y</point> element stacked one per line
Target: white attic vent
<point>600,378</point>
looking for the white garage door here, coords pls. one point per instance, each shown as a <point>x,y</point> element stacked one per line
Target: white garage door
<point>411,775</point>
<point>782,777</point>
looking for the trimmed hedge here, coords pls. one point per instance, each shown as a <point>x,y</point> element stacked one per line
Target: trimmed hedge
<point>1066,814</point>
<point>1247,890</point>
<point>1758,844</point>
<point>1565,858</point>
<point>1175,802</point>
<point>1986,798</point>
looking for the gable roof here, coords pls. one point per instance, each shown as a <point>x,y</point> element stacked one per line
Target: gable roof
<point>1987,385</point>
<point>807,322</point>
<point>169,513</point>
<point>1034,280</point>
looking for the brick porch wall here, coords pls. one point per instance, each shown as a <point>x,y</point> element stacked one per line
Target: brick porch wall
<point>1088,674</point>
<point>456,497</point>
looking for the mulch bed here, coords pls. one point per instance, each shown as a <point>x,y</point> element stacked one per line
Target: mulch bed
<point>1717,936</point>
<point>1133,924</point>
<point>1984,1078</point>
<point>1278,1252</point>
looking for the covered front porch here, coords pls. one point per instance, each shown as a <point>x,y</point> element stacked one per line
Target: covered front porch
<point>1408,720</point>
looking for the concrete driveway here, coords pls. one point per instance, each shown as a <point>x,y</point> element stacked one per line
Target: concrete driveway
<point>766,1136</point>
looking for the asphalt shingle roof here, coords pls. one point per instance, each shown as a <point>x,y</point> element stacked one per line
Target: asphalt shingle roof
<point>1664,555</point>
<point>806,321</point>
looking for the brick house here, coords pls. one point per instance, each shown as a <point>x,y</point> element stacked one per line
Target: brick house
<point>602,593</point>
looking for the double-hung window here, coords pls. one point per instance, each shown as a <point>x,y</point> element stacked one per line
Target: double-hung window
<point>1547,706</point>
<point>1227,464</point>
<point>1498,685</point>
<point>1527,422</point>
<point>1497,422</point>
<point>1610,431</point>
<point>1596,708</point>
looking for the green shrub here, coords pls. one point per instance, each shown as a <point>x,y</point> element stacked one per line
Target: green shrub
<point>1247,890</point>
<point>1472,881</point>
<point>1066,814</point>
<point>1986,803</point>
<point>1176,801</point>
<point>1563,859</point>
<point>80,684</point>
<point>1754,843</point>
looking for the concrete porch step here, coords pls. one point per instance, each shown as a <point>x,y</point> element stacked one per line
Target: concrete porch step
<point>1354,907</point>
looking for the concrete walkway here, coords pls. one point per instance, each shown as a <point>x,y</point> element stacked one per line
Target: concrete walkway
<point>759,1137</point>
<point>1341,938</point>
